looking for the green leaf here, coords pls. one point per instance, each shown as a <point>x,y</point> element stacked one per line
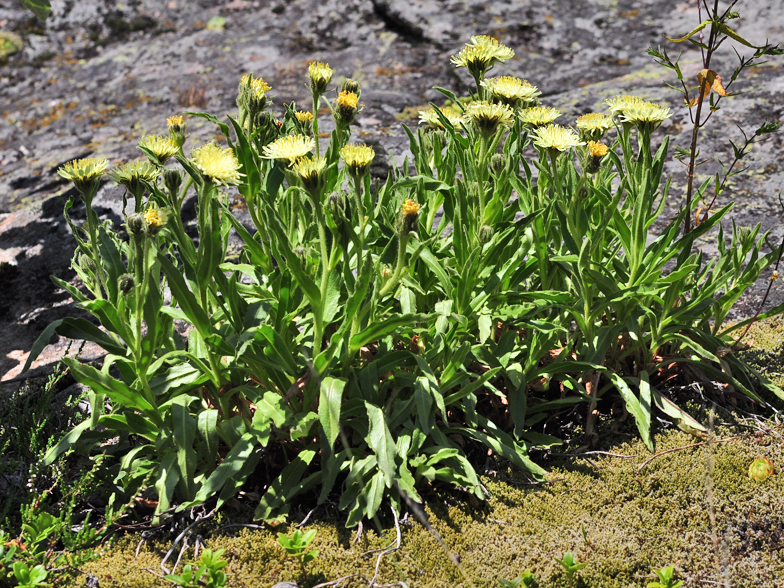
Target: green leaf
<point>184,297</point>
<point>73,328</point>
<point>381,442</point>
<point>639,408</point>
<point>40,8</point>
<point>377,331</point>
<point>287,485</point>
<point>330,400</point>
<point>228,468</point>
<point>114,389</point>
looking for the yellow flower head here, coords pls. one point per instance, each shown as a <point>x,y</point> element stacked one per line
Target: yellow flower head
<point>346,108</point>
<point>311,172</point>
<point>320,76</point>
<point>431,117</point>
<point>175,121</point>
<point>133,174</point>
<point>347,99</point>
<point>594,125</point>
<point>304,116</point>
<point>556,137</point>
<point>488,118</point>
<point>84,169</point>
<point>357,159</point>
<point>258,87</point>
<point>289,148</point>
<point>646,113</point>
<point>84,173</point>
<point>155,218</point>
<point>619,104</point>
<point>252,95</point>
<point>512,91</point>
<point>596,149</point>
<point>410,210</point>
<point>539,116</point>
<point>482,54</point>
<point>219,164</point>
<point>410,207</point>
<point>158,149</point>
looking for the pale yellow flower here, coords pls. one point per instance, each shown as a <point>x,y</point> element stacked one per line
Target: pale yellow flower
<point>311,172</point>
<point>357,158</point>
<point>158,149</point>
<point>84,169</point>
<point>289,148</point>
<point>175,121</point>
<point>155,218</point>
<point>430,117</point>
<point>131,174</point>
<point>482,54</point>
<point>258,87</point>
<point>556,137</point>
<point>594,125</point>
<point>539,116</point>
<point>219,164</point>
<point>512,91</point>
<point>487,118</point>
<point>304,116</point>
<point>619,104</point>
<point>320,76</point>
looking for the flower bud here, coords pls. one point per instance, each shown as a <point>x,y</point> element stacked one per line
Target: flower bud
<point>497,163</point>
<point>485,234</point>
<point>345,108</point>
<point>410,211</point>
<point>320,75</point>
<point>85,262</point>
<point>155,218</point>
<point>126,283</point>
<point>761,469</point>
<point>172,178</point>
<point>267,128</point>
<point>351,86</point>
<point>596,152</point>
<point>135,223</point>
<point>177,126</point>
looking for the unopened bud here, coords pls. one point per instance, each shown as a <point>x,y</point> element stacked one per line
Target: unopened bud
<point>135,223</point>
<point>497,163</point>
<point>126,283</point>
<point>349,85</point>
<point>485,234</point>
<point>172,178</point>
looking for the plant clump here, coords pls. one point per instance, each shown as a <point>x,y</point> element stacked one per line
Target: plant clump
<point>362,349</point>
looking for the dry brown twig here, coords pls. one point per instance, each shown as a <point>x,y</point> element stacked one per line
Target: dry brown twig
<point>674,449</point>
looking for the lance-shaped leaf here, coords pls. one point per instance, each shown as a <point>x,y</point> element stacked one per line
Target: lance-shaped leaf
<point>701,26</point>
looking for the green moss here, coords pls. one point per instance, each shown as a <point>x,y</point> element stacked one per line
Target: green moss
<point>635,522</point>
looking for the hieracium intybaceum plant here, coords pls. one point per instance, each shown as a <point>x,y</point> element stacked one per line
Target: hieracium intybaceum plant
<point>375,336</point>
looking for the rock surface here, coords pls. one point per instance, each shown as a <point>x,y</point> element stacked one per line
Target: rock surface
<point>98,75</point>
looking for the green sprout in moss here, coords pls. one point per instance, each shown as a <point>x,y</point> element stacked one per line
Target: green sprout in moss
<point>296,545</point>
<point>666,579</point>
<point>525,580</point>
<point>571,566</point>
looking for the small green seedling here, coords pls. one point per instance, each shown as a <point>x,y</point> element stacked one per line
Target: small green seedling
<point>666,579</point>
<point>524,580</point>
<point>296,545</point>
<point>29,578</point>
<point>570,565</point>
<point>208,573</point>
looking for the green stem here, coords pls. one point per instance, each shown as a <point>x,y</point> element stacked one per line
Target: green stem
<point>399,266</point>
<point>316,102</point>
